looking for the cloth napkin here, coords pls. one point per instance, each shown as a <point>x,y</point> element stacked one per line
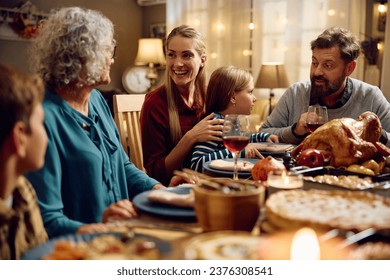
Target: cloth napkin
<point>171,198</point>
<point>278,148</point>
<point>221,164</point>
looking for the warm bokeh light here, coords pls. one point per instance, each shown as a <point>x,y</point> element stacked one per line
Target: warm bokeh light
<point>380,45</point>
<point>382,8</point>
<point>247,52</point>
<point>213,55</point>
<point>220,26</point>
<point>331,12</point>
<point>251,26</point>
<point>305,245</point>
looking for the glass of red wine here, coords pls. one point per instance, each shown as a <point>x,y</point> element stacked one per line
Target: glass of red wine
<point>236,133</point>
<point>316,116</point>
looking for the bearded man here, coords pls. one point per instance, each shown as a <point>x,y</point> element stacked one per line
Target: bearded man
<point>334,55</point>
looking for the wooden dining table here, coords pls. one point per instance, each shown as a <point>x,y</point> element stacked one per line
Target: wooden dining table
<point>177,233</point>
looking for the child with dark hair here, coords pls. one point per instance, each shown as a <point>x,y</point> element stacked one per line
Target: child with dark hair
<point>23,142</point>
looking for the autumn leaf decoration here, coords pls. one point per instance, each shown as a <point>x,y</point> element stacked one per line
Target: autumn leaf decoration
<point>25,30</point>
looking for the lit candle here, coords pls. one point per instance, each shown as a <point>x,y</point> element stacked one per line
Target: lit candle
<point>305,245</point>
<point>283,181</point>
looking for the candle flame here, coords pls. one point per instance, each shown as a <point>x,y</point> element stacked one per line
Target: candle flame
<point>305,245</point>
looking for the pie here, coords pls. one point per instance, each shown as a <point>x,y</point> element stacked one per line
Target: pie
<point>324,210</point>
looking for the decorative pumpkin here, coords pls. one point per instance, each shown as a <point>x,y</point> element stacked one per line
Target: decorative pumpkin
<point>261,168</point>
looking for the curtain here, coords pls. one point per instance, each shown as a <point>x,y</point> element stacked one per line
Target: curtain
<point>385,82</point>
<point>282,30</point>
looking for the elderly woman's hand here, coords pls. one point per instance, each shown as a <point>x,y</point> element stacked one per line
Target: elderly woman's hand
<point>120,210</point>
<point>183,179</point>
<point>93,228</point>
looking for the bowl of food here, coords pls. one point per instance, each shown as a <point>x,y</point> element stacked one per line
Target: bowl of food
<point>225,204</point>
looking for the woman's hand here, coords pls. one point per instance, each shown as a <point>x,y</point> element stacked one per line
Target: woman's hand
<point>120,210</point>
<point>252,152</point>
<point>207,129</point>
<point>93,228</point>
<point>273,139</point>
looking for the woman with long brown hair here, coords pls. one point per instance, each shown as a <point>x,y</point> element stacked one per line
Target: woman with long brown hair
<point>171,115</point>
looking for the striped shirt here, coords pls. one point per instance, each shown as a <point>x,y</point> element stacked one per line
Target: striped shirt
<point>211,150</point>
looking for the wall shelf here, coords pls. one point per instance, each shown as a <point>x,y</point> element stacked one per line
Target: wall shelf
<point>19,23</point>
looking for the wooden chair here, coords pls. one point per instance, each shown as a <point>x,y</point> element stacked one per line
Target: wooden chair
<point>127,110</point>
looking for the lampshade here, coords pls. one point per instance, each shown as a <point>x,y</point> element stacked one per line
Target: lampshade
<point>150,50</point>
<point>272,75</point>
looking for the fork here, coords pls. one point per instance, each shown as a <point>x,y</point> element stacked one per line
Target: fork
<point>350,236</point>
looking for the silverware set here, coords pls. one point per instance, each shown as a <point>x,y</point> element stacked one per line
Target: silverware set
<point>349,237</point>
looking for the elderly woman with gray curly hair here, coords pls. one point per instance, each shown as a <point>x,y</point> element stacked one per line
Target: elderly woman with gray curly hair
<point>87,178</point>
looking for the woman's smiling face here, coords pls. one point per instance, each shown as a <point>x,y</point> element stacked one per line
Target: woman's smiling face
<point>183,61</point>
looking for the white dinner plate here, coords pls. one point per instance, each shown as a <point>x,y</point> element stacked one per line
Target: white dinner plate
<point>229,173</point>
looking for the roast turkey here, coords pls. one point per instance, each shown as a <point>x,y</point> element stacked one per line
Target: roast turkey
<point>346,141</point>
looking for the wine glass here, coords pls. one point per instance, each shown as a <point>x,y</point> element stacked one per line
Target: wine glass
<point>316,116</point>
<point>236,132</point>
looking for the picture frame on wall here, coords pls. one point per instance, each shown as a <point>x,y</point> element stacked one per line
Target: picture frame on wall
<point>158,30</point>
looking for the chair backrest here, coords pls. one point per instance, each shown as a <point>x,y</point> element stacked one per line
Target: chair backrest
<point>127,110</point>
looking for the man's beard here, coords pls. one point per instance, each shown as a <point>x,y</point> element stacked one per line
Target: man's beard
<point>327,88</point>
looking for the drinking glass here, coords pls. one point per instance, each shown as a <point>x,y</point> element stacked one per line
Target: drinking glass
<point>316,116</point>
<point>236,132</point>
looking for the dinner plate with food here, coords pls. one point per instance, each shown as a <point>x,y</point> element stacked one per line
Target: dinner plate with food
<point>273,149</point>
<point>174,202</point>
<point>107,246</point>
<point>224,167</point>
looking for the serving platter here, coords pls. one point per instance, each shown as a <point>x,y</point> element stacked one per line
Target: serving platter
<point>379,182</point>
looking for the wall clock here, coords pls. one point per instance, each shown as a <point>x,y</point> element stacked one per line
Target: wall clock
<point>134,79</point>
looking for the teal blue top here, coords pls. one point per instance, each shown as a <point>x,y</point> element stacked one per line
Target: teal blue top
<point>86,168</point>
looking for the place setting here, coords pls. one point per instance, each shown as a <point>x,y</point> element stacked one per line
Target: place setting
<point>236,135</point>
<point>171,203</point>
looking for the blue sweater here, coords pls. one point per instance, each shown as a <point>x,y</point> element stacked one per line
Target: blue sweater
<point>86,168</point>
<point>211,150</point>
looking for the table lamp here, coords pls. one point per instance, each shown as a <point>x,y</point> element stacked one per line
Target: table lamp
<point>150,52</point>
<point>272,75</point>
